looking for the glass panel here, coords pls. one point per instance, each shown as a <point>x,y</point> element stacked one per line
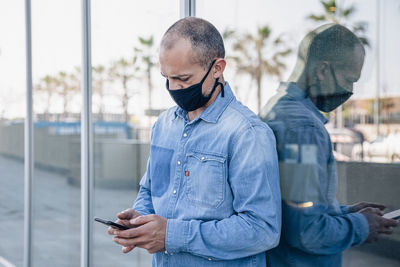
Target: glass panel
<point>125,73</point>
<point>56,37</point>
<point>364,132</point>
<point>12,116</point>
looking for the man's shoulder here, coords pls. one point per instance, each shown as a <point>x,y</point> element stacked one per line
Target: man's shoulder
<point>241,118</point>
<point>290,111</point>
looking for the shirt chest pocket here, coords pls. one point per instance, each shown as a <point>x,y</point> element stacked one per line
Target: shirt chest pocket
<point>205,179</point>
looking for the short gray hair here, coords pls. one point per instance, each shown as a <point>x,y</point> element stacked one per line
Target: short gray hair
<point>205,39</point>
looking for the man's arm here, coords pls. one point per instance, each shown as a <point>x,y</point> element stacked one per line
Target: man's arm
<point>143,203</point>
<point>315,231</point>
<point>255,227</point>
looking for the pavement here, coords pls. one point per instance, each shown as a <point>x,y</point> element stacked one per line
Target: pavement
<point>56,224</point>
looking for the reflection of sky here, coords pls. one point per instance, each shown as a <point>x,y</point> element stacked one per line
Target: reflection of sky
<point>115,27</point>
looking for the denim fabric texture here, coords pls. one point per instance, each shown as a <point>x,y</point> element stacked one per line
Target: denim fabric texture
<point>315,228</point>
<point>216,180</point>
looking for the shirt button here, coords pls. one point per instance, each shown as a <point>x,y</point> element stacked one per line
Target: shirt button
<point>185,135</point>
<point>202,158</point>
<point>179,163</point>
<point>166,252</point>
<point>174,191</point>
<point>209,259</point>
<point>171,254</point>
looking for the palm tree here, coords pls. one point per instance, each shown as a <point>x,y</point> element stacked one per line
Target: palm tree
<point>146,54</point>
<point>47,85</point>
<point>67,85</point>
<point>259,54</point>
<point>123,72</point>
<point>99,77</point>
<point>332,12</point>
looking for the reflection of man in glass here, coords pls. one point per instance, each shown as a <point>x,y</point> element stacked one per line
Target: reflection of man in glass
<point>315,229</point>
<point>210,196</point>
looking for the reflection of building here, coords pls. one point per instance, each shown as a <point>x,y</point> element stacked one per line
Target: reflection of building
<point>361,111</point>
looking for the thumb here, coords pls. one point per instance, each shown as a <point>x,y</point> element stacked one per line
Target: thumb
<point>125,214</point>
<point>142,219</point>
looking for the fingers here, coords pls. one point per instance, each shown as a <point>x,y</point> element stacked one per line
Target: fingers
<point>143,219</point>
<point>127,249</point>
<point>376,211</point>
<point>374,205</point>
<point>389,222</point>
<point>386,230</point>
<point>125,214</point>
<point>131,233</point>
<point>128,242</point>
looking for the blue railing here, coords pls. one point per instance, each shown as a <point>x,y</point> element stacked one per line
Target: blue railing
<point>100,127</point>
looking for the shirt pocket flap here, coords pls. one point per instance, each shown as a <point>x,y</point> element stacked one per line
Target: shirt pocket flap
<point>204,156</point>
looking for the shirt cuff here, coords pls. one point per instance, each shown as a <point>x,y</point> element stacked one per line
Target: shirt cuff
<point>345,209</point>
<point>361,227</point>
<point>176,236</point>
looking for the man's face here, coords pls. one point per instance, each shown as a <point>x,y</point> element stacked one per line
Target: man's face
<point>179,67</point>
<point>346,73</point>
<point>350,72</point>
<point>336,82</point>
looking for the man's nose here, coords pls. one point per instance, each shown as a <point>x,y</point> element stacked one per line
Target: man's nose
<point>174,85</point>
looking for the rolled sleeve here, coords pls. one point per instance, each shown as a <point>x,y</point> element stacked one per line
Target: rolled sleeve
<point>176,236</point>
<point>361,227</point>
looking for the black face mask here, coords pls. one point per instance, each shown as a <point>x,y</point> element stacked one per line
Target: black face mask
<point>192,98</point>
<point>327,103</point>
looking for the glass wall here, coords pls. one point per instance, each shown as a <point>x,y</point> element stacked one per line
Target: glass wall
<point>12,115</point>
<point>128,95</point>
<point>56,57</point>
<point>365,131</point>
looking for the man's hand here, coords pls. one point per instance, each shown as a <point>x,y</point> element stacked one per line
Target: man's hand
<point>124,218</point>
<point>377,224</point>
<point>362,205</point>
<point>149,234</point>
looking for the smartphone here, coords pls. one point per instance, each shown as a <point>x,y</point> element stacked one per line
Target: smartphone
<point>392,215</point>
<point>112,224</point>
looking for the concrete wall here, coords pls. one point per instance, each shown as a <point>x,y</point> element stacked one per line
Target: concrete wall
<point>118,163</point>
<point>374,182</point>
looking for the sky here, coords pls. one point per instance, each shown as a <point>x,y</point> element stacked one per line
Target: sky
<point>116,25</point>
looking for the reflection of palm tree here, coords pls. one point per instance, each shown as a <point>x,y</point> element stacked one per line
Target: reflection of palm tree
<point>253,56</point>
<point>99,77</point>
<point>339,14</point>
<point>48,86</point>
<point>123,70</point>
<point>146,54</point>
<point>67,85</point>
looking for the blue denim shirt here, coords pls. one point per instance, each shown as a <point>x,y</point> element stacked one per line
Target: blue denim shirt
<point>216,180</point>
<point>315,229</point>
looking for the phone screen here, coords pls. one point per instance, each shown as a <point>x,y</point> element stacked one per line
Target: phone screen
<point>112,224</point>
<point>393,215</point>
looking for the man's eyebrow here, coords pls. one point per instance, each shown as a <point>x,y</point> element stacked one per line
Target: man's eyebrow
<point>178,76</point>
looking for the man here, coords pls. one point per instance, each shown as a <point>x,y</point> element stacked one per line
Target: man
<point>315,229</point>
<point>210,196</point>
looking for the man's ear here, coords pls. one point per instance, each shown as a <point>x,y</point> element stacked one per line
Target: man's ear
<point>219,67</point>
<point>321,70</point>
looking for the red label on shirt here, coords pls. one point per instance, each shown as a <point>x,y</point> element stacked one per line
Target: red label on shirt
<point>187,173</point>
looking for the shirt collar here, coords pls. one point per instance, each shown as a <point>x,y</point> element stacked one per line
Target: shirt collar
<point>296,92</point>
<point>214,111</point>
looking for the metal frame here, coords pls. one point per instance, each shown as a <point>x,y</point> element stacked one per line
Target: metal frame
<point>28,145</point>
<point>86,141</point>
<point>187,8</point>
